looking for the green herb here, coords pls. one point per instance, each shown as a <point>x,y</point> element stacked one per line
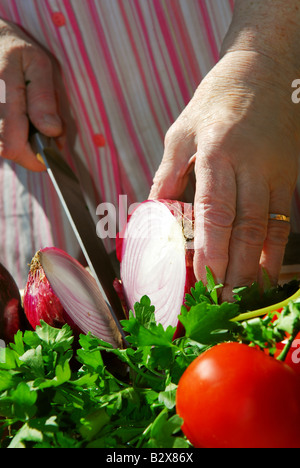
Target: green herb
<point>57,395</point>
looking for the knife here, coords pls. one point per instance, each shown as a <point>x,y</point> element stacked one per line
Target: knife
<point>69,191</point>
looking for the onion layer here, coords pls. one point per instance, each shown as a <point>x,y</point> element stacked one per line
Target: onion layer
<point>156,253</point>
<point>60,290</point>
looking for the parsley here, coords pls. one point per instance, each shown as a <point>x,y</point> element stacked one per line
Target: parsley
<point>55,393</point>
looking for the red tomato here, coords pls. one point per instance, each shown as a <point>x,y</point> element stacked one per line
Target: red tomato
<point>234,396</point>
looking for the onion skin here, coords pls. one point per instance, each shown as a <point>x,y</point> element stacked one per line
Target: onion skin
<point>61,291</point>
<point>40,302</point>
<point>120,291</point>
<point>12,317</point>
<point>126,253</point>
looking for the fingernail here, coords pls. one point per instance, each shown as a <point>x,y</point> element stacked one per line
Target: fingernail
<point>52,120</point>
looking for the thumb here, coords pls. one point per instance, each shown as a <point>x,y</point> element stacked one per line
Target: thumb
<point>41,99</point>
<point>177,163</point>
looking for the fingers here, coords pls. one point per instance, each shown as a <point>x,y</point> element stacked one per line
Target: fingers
<point>41,99</point>
<point>30,93</point>
<point>215,210</point>
<point>14,122</point>
<point>277,234</point>
<point>249,231</point>
<point>14,143</point>
<point>233,234</point>
<point>178,161</point>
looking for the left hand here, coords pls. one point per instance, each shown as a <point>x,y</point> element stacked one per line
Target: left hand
<point>240,132</point>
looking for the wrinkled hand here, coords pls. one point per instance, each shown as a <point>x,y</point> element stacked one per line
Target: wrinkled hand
<point>30,93</point>
<point>239,132</point>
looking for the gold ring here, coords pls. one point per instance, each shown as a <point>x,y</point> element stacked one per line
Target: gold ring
<point>279,217</point>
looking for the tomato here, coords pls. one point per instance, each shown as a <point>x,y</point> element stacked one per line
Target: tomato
<point>236,396</point>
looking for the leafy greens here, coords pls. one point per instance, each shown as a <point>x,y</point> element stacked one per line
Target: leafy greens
<point>57,393</point>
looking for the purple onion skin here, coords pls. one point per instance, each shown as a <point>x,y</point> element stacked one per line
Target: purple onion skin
<point>12,317</point>
<point>41,303</point>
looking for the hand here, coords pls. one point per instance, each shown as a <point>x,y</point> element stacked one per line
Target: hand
<point>240,132</point>
<point>27,71</point>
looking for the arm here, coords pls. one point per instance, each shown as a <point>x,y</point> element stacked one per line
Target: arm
<point>270,27</point>
<point>241,133</point>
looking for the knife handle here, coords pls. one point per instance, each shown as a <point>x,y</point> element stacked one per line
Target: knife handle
<point>37,141</point>
<point>32,130</point>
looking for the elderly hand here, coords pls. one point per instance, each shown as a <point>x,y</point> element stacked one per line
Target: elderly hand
<point>27,71</point>
<point>240,132</point>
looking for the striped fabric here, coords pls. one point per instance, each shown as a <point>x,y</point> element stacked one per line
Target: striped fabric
<point>129,68</point>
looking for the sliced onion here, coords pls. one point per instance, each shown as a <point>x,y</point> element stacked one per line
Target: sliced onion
<point>82,304</point>
<point>156,253</point>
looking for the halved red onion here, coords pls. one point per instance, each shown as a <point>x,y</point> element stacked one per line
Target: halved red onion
<point>60,290</point>
<point>156,253</point>
<point>12,316</point>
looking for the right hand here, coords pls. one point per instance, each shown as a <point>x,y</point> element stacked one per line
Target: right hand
<point>27,71</point>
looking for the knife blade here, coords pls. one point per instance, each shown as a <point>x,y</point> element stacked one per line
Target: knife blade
<point>70,194</point>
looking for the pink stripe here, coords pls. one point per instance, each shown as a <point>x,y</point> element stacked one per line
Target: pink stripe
<point>209,30</point>
<point>172,50</point>
<point>30,211</point>
<point>38,193</point>
<point>82,106</point>
<point>2,12</point>
<point>14,213</point>
<point>187,50</point>
<point>119,93</point>
<point>50,202</point>
<point>50,206</point>
<point>153,61</point>
<point>93,81</point>
<point>41,20</point>
<point>17,16</point>
<point>166,67</point>
<point>140,66</point>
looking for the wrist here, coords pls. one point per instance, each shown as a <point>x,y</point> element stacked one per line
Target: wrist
<point>268,27</point>
<point>249,80</point>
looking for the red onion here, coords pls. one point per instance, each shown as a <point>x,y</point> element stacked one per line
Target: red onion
<point>12,316</point>
<point>40,302</point>
<point>60,290</point>
<point>156,254</point>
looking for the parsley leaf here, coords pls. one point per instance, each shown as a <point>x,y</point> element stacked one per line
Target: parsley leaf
<point>55,393</point>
